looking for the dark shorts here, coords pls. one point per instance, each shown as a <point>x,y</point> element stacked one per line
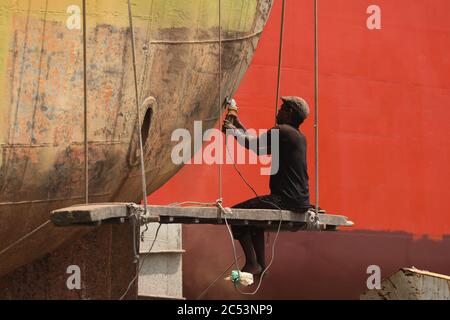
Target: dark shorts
<point>271,202</point>
<point>265,202</point>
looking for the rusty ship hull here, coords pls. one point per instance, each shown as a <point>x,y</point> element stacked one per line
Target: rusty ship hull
<point>42,142</point>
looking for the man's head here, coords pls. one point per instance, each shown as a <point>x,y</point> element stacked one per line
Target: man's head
<point>294,111</point>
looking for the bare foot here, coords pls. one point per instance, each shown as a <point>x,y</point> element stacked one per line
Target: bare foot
<point>253,269</point>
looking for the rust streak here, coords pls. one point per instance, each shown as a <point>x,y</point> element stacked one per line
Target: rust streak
<point>37,95</point>
<point>121,87</point>
<point>9,159</point>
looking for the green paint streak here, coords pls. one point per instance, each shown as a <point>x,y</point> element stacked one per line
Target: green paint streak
<point>173,14</point>
<point>166,13</point>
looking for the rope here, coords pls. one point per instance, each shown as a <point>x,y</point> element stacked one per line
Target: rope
<point>146,47</point>
<point>129,286</point>
<point>206,291</point>
<point>220,95</point>
<point>136,218</point>
<point>85,103</point>
<point>280,57</point>
<point>137,99</point>
<point>316,104</point>
<point>25,237</point>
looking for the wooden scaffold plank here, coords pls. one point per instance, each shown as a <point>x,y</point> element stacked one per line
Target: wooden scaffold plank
<point>98,213</point>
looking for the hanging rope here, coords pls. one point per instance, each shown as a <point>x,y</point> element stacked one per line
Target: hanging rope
<point>220,97</point>
<point>316,104</point>
<point>146,47</point>
<point>85,102</point>
<point>138,111</point>
<point>219,277</point>
<point>280,57</point>
<point>141,153</point>
<point>25,237</point>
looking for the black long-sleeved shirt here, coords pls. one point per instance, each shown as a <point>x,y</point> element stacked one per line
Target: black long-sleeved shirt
<point>291,181</point>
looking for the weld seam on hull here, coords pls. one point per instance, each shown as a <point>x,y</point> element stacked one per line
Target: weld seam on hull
<point>175,42</point>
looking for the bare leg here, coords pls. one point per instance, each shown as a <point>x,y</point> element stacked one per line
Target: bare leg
<point>251,263</point>
<point>260,247</point>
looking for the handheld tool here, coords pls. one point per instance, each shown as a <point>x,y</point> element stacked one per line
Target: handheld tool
<point>233,110</point>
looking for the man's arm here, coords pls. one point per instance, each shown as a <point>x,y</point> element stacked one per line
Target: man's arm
<point>239,125</point>
<point>260,145</point>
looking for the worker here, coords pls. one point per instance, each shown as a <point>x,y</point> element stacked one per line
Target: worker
<point>289,185</point>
